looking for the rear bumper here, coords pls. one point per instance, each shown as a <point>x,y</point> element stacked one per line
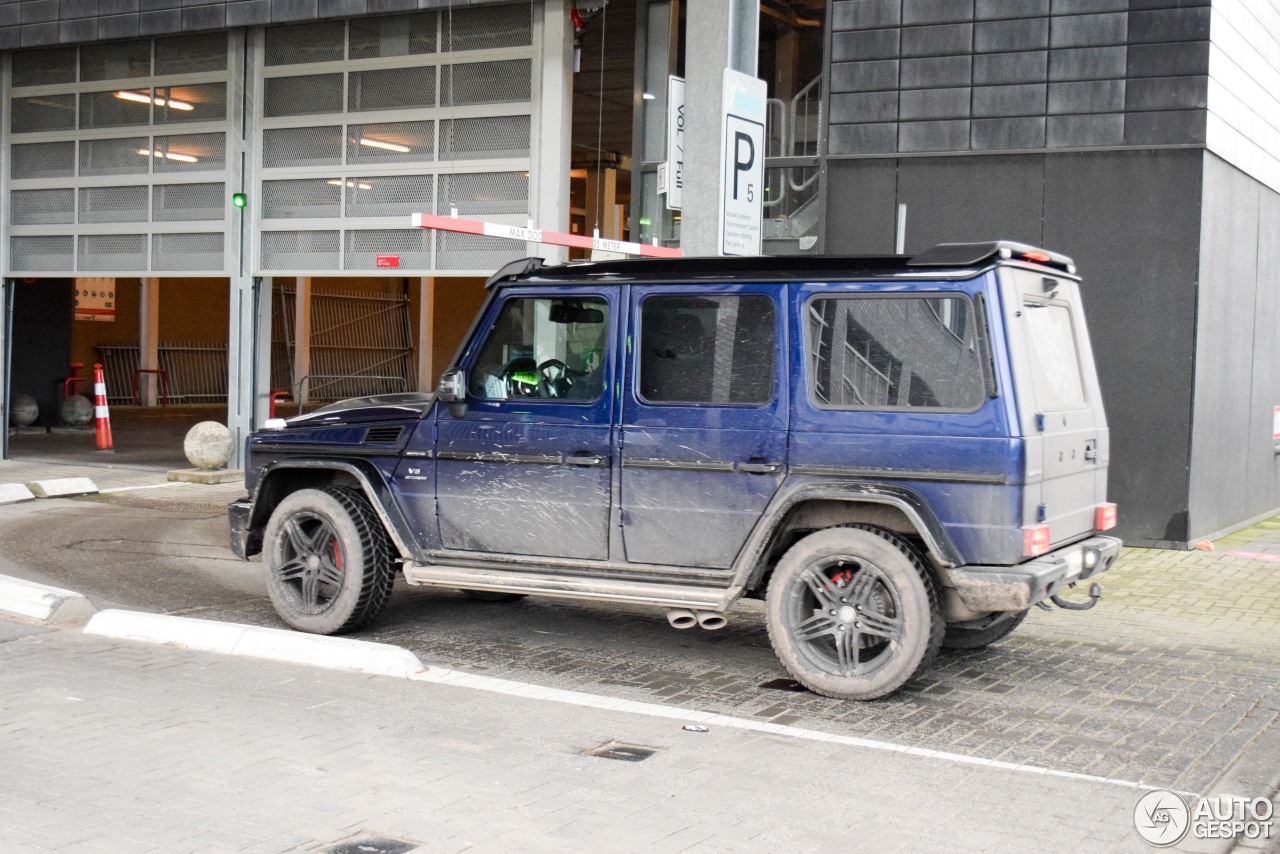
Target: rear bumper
<point>243,543</point>
<point>1016,588</point>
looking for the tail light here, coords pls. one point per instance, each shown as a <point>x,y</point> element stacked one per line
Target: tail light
<point>1035,541</point>
<point>1104,517</point>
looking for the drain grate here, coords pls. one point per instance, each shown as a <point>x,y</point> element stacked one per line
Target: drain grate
<point>783,685</point>
<point>621,750</point>
<point>371,845</point>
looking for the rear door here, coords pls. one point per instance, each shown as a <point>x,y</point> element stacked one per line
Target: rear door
<point>704,420</point>
<point>1059,403</point>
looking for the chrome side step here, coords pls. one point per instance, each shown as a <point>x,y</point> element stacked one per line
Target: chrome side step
<point>573,587</point>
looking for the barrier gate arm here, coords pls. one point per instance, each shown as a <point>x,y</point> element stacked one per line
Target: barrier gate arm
<point>441,222</point>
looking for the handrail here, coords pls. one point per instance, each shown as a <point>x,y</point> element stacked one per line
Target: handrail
<point>806,95</point>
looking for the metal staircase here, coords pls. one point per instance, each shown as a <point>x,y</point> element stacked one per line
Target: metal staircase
<point>791,204</point>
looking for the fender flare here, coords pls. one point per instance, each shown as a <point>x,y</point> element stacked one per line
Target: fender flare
<point>371,482</point>
<point>748,567</point>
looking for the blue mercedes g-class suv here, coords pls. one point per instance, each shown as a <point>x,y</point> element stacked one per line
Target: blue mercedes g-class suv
<point>896,453</point>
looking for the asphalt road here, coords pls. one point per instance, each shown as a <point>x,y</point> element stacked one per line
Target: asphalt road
<point>1170,681</point>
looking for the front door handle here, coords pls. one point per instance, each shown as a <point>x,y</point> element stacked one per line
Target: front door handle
<point>759,468</point>
<point>584,458</point>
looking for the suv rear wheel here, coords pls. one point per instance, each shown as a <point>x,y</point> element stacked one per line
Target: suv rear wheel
<point>853,613</point>
<point>328,561</point>
<point>971,637</point>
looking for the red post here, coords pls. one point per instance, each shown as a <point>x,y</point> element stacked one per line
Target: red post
<point>102,419</point>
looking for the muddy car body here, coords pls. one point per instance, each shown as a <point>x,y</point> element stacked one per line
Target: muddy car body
<point>895,453</point>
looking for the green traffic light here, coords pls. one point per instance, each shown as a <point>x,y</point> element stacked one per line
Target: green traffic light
<point>239,200</point>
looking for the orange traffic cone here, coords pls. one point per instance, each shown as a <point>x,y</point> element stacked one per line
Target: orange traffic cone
<point>102,419</point>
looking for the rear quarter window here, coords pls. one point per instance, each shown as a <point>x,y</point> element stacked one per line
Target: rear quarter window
<point>895,352</point>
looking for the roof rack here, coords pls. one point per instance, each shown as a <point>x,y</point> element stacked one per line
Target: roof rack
<point>954,256</point>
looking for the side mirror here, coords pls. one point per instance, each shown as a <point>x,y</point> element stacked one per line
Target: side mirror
<point>452,388</point>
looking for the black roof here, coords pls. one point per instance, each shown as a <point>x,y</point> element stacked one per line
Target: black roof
<point>951,260</point>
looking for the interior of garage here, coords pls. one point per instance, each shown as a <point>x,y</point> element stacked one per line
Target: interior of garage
<point>163,346</point>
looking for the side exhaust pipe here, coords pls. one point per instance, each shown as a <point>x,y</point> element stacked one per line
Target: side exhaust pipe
<point>712,620</point>
<point>681,618</point>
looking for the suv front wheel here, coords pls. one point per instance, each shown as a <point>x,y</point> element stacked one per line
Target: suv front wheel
<point>853,613</point>
<point>328,561</point>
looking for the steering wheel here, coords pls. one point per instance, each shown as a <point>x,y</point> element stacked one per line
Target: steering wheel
<point>554,380</point>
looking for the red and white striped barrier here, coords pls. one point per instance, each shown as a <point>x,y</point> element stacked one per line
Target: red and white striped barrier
<point>102,419</point>
<point>538,235</point>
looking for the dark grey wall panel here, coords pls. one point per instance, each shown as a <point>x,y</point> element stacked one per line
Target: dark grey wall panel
<point>952,199</point>
<point>861,209</point>
<point>1233,464</point>
<point>1111,62</point>
<point>1131,221</point>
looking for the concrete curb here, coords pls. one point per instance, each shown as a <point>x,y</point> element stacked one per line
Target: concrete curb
<point>42,603</point>
<point>256,642</point>
<point>62,487</point>
<point>12,493</point>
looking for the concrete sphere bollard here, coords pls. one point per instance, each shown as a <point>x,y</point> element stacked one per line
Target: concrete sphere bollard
<point>208,445</point>
<point>23,411</point>
<point>76,410</point>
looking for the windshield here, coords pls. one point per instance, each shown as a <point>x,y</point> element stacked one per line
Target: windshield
<point>1055,360</point>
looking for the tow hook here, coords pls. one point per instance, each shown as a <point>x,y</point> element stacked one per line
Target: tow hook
<point>1095,593</point>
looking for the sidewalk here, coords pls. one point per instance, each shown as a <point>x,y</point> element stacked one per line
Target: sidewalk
<point>120,747</point>
<point>125,484</point>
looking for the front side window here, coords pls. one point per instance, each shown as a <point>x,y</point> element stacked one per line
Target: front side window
<point>544,348</point>
<point>895,352</point>
<point>707,349</point>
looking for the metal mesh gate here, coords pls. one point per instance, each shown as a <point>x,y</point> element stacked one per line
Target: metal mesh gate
<point>196,372</point>
<point>361,344</point>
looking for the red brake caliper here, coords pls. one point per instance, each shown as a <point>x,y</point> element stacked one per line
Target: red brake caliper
<point>337,555</point>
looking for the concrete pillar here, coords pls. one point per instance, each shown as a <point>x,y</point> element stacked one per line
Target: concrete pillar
<point>249,329</point>
<point>602,199</point>
<point>148,340</point>
<point>426,334</point>
<point>716,38</point>
<point>549,157</point>
<point>248,354</point>
<point>6,304</point>
<point>302,340</point>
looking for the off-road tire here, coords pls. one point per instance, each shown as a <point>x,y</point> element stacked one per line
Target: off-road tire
<point>492,595</point>
<point>353,572</point>
<point>894,580</point>
<point>958,637</point>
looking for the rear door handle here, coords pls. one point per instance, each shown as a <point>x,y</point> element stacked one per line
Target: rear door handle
<point>759,468</point>
<point>582,458</point>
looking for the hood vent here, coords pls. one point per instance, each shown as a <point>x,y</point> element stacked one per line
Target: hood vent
<point>383,435</point>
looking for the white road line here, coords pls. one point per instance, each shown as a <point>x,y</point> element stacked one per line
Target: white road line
<point>144,486</point>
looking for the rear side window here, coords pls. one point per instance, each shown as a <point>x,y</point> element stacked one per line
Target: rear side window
<point>1055,361</point>
<point>707,349</point>
<point>898,352</point>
